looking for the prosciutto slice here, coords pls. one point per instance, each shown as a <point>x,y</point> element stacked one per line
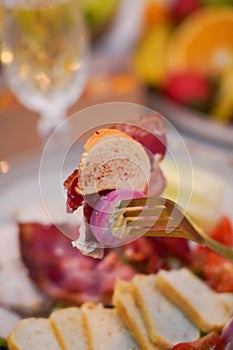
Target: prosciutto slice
<point>62,272</point>
<point>74,199</point>
<point>150,131</point>
<point>157,181</point>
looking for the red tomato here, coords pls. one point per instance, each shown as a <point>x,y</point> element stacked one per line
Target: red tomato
<point>212,341</point>
<point>218,272</point>
<point>223,231</point>
<point>188,88</point>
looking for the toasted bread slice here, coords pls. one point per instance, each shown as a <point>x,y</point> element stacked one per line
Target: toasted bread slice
<point>167,325</point>
<point>33,334</point>
<point>113,159</point>
<point>192,295</point>
<point>106,330</point>
<point>127,308</point>
<point>69,328</point>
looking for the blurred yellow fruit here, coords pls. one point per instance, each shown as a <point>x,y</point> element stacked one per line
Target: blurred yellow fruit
<point>203,41</point>
<point>149,58</point>
<point>223,106</point>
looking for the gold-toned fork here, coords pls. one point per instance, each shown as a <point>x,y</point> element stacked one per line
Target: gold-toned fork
<point>161,217</point>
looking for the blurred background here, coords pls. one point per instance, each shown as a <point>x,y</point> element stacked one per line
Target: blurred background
<point>175,56</point>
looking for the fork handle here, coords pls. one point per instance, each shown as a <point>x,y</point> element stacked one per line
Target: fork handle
<point>219,248</point>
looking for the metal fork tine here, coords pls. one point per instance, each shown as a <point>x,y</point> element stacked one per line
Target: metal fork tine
<point>134,217</point>
<point>134,211</point>
<point>144,201</point>
<point>119,220</point>
<point>145,222</point>
<point>162,231</point>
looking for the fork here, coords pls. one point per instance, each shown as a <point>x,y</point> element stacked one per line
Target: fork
<point>160,217</point>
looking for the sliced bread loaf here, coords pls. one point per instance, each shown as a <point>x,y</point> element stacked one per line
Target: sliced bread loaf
<point>127,308</point>
<point>192,295</point>
<point>106,330</point>
<point>33,334</point>
<point>69,328</point>
<point>167,325</point>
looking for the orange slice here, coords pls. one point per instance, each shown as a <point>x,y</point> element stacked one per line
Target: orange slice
<point>155,11</point>
<point>203,41</point>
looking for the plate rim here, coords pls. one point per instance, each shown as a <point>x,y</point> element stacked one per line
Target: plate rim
<point>194,123</point>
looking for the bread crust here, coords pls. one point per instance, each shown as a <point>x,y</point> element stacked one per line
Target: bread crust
<point>125,303</point>
<point>106,133</point>
<point>33,333</point>
<point>113,159</point>
<point>192,295</point>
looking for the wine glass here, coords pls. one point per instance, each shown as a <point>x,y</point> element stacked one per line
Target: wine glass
<point>45,54</point>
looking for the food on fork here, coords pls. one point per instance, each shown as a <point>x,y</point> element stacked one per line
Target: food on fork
<point>123,158</point>
<point>110,157</point>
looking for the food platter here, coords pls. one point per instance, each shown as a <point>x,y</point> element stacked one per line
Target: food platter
<point>32,190</point>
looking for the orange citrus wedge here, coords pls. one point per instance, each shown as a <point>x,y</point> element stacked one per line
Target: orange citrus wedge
<point>203,42</point>
<point>155,11</point>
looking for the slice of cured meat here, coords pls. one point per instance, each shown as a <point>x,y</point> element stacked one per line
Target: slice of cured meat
<point>64,273</point>
<point>150,131</point>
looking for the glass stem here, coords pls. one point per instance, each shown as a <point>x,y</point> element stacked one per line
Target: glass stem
<point>48,122</point>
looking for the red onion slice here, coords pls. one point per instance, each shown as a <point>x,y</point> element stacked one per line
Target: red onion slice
<point>227,335</point>
<point>150,131</point>
<point>100,218</point>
